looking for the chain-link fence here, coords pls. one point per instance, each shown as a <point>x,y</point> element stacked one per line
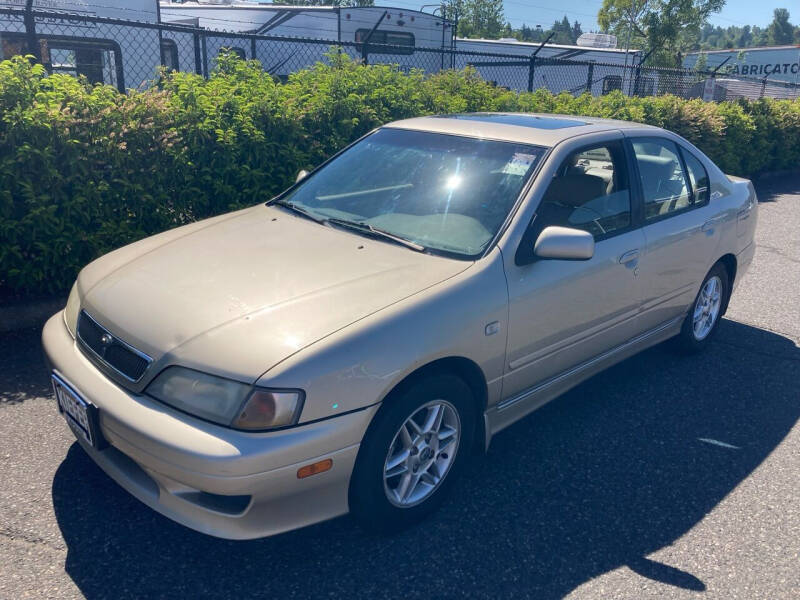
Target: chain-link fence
<point>127,54</point>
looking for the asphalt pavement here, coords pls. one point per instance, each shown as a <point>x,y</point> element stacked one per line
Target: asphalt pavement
<point>663,477</point>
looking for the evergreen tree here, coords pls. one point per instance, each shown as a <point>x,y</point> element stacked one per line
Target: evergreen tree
<point>780,32</point>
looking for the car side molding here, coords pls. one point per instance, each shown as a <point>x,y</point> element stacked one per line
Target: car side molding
<point>511,409</point>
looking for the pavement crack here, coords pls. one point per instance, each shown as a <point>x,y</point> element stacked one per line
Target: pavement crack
<point>18,534</point>
<point>779,252</point>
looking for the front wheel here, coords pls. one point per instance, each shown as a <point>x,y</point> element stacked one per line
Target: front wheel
<point>412,453</point>
<point>702,321</point>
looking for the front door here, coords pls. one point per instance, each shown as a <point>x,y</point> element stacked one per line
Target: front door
<point>562,313</point>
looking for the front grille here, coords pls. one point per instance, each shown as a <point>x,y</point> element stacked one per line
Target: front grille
<point>110,350</point>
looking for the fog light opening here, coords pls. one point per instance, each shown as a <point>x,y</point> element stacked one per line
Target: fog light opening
<point>315,468</point>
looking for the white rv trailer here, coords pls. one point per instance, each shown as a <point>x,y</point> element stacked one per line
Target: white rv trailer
<point>399,27</point>
<point>597,70</point>
<point>396,26</point>
<point>779,63</point>
<point>103,52</point>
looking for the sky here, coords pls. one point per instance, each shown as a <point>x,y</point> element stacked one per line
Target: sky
<point>544,12</point>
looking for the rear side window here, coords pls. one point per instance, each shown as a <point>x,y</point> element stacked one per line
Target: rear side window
<point>698,176</point>
<point>664,185</point>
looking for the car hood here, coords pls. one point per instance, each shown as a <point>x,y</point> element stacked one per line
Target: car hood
<point>238,294</point>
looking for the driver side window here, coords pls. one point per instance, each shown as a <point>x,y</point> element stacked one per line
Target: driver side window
<point>590,191</point>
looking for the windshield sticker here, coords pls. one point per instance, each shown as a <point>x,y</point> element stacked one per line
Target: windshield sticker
<point>519,164</point>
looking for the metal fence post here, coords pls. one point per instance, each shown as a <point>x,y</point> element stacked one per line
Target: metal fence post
<point>205,55</point>
<point>253,46</point>
<point>366,40</point>
<point>763,87</point>
<point>198,59</point>
<point>531,70</point>
<point>30,32</point>
<point>589,77</point>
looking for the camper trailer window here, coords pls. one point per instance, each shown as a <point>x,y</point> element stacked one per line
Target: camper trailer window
<point>169,51</point>
<point>233,49</point>
<point>13,44</point>
<point>391,38</point>
<point>611,83</point>
<point>647,86</point>
<point>97,61</point>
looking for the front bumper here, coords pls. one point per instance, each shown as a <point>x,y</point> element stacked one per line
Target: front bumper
<point>226,483</point>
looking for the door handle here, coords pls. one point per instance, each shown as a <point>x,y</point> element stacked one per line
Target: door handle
<point>709,225</point>
<point>629,257</point>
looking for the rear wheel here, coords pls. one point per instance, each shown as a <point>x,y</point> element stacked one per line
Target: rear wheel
<point>702,321</point>
<point>412,453</point>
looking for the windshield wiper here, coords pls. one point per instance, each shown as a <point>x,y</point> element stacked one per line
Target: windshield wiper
<point>375,231</point>
<point>299,210</point>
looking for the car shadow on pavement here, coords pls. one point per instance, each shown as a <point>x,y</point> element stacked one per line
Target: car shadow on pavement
<point>621,466</point>
<point>23,374</point>
<point>770,189</point>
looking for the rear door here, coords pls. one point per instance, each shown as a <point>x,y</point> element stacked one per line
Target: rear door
<point>680,228</point>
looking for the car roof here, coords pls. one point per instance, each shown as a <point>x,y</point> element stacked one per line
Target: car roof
<point>529,128</point>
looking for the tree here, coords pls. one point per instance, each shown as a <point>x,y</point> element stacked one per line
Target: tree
<point>745,38</point>
<point>576,32</point>
<point>780,32</point>
<point>668,27</point>
<point>342,3</point>
<point>563,32</point>
<point>477,18</point>
<point>702,62</point>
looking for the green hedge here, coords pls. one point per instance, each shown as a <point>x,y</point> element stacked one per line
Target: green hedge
<point>84,169</point>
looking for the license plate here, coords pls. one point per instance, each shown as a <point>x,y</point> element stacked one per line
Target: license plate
<point>80,414</point>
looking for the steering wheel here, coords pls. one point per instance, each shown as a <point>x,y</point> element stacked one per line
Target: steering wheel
<point>596,221</point>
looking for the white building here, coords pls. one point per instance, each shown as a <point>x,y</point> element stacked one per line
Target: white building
<point>780,63</point>
<point>570,68</point>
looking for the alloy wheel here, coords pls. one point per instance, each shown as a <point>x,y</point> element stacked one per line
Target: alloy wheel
<point>707,308</point>
<point>421,453</point>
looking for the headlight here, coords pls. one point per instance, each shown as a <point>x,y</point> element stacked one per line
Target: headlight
<point>225,401</point>
<point>72,309</point>
<point>267,409</point>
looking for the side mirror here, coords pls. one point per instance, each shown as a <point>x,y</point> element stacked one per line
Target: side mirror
<point>564,243</point>
<point>301,175</point>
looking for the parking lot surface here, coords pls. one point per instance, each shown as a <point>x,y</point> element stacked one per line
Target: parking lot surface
<point>664,477</point>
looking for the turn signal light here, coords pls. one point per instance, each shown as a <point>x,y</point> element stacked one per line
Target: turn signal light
<point>313,469</point>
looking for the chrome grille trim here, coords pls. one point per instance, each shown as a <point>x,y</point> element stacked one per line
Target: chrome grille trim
<point>115,341</point>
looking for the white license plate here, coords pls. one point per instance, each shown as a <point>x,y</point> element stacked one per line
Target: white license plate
<point>80,414</point>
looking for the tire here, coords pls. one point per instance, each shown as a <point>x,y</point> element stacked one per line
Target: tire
<point>696,336</point>
<point>380,504</point>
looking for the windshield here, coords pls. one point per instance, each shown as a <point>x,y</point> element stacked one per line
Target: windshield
<point>443,192</point>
